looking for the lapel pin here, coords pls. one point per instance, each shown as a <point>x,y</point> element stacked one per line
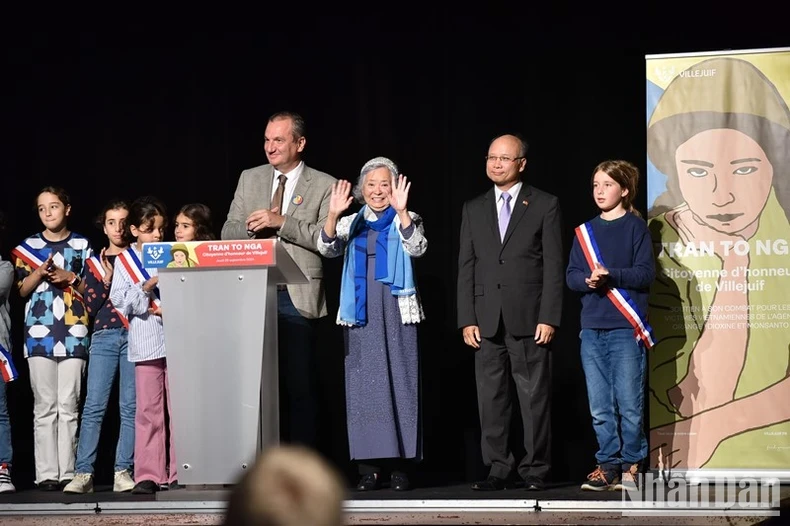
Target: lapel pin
<point>525,202</point>
<point>297,200</point>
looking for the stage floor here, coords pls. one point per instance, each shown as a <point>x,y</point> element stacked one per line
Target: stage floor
<point>457,504</point>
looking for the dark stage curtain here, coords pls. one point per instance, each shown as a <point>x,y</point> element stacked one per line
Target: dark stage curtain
<point>179,113</point>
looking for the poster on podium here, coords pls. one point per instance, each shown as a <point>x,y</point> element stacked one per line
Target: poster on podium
<point>210,254</point>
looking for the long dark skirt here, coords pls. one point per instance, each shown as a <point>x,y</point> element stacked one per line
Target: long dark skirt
<point>382,380</point>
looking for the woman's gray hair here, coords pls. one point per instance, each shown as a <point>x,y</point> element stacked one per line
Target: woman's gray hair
<point>373,164</point>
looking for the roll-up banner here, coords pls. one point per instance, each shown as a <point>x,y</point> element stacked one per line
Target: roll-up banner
<point>718,178</point>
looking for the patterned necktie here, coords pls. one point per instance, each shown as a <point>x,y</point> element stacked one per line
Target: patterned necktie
<point>277,198</point>
<point>504,215</point>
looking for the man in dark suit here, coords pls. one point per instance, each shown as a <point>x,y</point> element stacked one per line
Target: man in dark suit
<point>510,286</point>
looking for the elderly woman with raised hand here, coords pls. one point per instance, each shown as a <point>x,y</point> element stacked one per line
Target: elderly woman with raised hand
<point>379,307</point>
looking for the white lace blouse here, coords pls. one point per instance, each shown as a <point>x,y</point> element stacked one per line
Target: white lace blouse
<point>410,306</point>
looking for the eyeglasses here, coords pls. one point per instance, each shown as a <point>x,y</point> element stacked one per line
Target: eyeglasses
<point>504,159</point>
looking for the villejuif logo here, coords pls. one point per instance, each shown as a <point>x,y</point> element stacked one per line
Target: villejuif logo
<point>653,494</point>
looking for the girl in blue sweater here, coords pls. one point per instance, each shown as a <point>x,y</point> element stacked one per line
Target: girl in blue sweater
<point>612,266</point>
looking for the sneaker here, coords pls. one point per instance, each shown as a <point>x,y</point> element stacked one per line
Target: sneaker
<point>630,479</point>
<point>123,481</point>
<point>6,486</point>
<point>81,483</point>
<point>600,480</point>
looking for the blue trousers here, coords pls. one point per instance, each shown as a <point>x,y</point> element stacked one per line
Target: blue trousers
<point>614,367</point>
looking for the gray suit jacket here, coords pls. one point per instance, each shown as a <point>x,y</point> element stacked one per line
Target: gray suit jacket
<point>299,234</point>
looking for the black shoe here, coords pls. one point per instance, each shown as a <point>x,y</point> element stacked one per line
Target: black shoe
<point>369,482</point>
<point>145,487</point>
<point>63,483</point>
<point>492,483</point>
<point>49,485</point>
<point>399,481</point>
<point>533,483</point>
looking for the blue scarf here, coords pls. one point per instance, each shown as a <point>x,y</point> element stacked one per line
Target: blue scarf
<point>393,265</point>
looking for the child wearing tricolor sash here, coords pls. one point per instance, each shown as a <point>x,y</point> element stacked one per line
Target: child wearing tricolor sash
<point>50,269</point>
<point>612,266</point>
<point>108,358</point>
<point>7,370</point>
<point>134,293</point>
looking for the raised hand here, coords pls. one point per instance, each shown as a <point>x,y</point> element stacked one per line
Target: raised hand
<point>341,197</point>
<point>399,196</point>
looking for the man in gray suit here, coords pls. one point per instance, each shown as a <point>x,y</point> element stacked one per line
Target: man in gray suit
<point>289,200</point>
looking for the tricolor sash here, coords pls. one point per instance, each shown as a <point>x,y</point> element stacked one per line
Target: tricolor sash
<point>34,258</point>
<point>97,269</point>
<point>137,272</point>
<point>7,368</point>
<point>619,297</point>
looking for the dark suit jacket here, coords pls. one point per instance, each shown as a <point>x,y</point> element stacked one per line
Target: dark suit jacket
<point>522,277</point>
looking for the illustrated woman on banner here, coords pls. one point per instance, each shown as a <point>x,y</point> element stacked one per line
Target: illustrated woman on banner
<point>719,371</point>
<point>181,259</point>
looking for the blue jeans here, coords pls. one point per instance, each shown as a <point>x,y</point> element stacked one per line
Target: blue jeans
<point>6,451</point>
<point>108,355</point>
<point>614,367</point>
